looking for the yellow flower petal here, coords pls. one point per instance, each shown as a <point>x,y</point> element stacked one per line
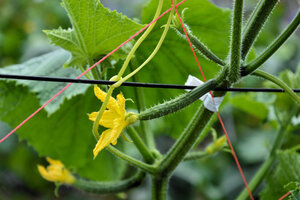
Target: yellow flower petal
<point>56,172</point>
<point>93,116</point>
<point>44,173</point>
<point>112,103</point>
<point>107,119</point>
<point>113,119</point>
<point>54,162</point>
<point>114,142</point>
<point>121,102</point>
<point>107,137</point>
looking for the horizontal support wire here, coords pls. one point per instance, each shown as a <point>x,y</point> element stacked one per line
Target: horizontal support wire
<point>133,84</point>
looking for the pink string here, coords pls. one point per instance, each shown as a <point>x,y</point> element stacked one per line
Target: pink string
<point>284,196</point>
<point>97,63</point>
<point>219,116</point>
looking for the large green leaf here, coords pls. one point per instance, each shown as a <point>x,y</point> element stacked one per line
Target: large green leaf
<point>65,135</point>
<point>95,31</point>
<point>246,103</point>
<point>285,173</point>
<point>49,64</point>
<point>174,61</point>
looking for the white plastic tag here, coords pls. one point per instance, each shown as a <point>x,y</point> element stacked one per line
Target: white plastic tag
<point>210,103</point>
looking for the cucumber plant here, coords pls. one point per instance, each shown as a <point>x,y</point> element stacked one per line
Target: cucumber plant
<point>224,43</point>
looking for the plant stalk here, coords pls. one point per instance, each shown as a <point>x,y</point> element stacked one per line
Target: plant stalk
<point>278,82</point>
<point>184,142</point>
<point>111,186</point>
<point>148,157</point>
<point>271,49</point>
<point>132,161</point>
<point>122,70</point>
<point>160,42</point>
<point>140,102</point>
<point>178,103</point>
<point>196,155</point>
<point>159,188</point>
<point>235,49</point>
<point>202,48</point>
<point>255,23</point>
<point>205,131</point>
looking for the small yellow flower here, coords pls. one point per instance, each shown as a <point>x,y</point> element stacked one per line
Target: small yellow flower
<point>115,119</point>
<point>56,172</point>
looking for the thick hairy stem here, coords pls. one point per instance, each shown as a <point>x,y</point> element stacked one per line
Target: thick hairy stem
<point>110,187</point>
<point>159,188</point>
<point>185,142</point>
<point>278,82</point>
<point>255,23</point>
<point>261,173</point>
<point>235,49</point>
<point>271,49</point>
<point>178,103</point>
<point>204,50</point>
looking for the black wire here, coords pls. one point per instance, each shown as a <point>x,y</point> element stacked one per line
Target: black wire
<point>133,84</point>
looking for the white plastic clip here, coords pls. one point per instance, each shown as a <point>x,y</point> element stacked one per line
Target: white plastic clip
<point>210,103</point>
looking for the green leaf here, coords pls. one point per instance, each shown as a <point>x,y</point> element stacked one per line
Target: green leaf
<point>286,172</point>
<point>246,103</point>
<point>65,135</point>
<point>95,31</point>
<point>174,61</point>
<point>49,64</point>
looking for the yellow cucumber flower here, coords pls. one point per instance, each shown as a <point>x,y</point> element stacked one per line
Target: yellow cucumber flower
<point>56,172</point>
<point>115,119</point>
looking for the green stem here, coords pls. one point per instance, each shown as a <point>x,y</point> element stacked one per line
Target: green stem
<point>88,75</point>
<point>235,50</point>
<point>259,176</point>
<point>100,113</point>
<point>271,49</point>
<point>162,38</point>
<point>184,142</point>
<point>205,131</point>
<point>132,161</point>
<point>250,19</point>
<point>140,102</point>
<point>196,155</point>
<point>255,23</point>
<point>121,72</point>
<point>159,188</point>
<point>140,145</point>
<point>202,48</point>
<point>110,187</point>
<point>140,40</point>
<point>278,82</point>
<point>178,103</point>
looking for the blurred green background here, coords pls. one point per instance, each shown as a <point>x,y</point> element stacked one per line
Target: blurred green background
<point>21,38</point>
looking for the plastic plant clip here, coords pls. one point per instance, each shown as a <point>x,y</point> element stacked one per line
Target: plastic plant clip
<point>210,103</point>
